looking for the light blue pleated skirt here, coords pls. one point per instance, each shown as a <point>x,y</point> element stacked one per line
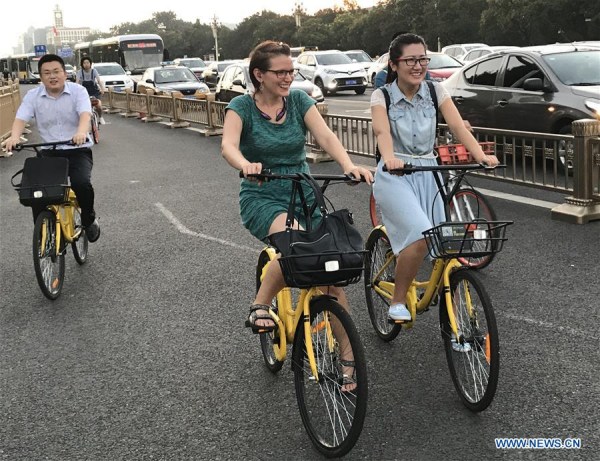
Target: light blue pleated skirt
<point>410,204</point>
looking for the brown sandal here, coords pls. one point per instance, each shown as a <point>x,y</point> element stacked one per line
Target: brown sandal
<point>253,316</point>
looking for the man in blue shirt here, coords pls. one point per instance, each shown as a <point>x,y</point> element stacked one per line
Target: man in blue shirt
<point>62,111</point>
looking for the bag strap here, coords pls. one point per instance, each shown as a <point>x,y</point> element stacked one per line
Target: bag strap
<point>13,177</point>
<point>297,190</point>
<point>434,98</point>
<point>388,103</point>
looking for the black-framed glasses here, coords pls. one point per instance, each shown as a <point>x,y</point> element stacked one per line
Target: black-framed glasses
<point>283,73</point>
<point>412,62</point>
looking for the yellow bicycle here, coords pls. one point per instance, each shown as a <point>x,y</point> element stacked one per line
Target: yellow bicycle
<point>328,359</point>
<point>58,224</point>
<point>467,321</point>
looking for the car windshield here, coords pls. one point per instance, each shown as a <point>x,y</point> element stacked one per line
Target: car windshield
<point>174,75</point>
<point>110,70</point>
<point>443,61</point>
<point>576,68</point>
<point>192,63</point>
<point>333,59</point>
<point>359,56</point>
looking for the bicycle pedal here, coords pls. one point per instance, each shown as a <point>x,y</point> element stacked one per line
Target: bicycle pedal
<point>396,322</point>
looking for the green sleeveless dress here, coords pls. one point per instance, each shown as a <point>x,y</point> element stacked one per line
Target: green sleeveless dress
<point>281,149</point>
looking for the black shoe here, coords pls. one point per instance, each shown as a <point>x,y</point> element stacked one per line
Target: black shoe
<point>93,231</point>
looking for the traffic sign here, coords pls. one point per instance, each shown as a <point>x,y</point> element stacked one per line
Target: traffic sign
<point>40,50</point>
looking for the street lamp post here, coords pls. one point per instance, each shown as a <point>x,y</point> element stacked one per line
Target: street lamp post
<point>215,28</point>
<point>298,12</point>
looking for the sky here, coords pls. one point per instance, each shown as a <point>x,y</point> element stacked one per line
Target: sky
<point>106,13</point>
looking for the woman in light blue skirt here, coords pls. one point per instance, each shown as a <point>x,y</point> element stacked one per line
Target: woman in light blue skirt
<point>406,134</point>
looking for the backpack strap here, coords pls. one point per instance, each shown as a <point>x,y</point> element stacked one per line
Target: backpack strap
<point>388,103</point>
<point>433,95</point>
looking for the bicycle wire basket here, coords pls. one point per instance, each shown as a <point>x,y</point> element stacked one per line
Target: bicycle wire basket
<point>466,239</point>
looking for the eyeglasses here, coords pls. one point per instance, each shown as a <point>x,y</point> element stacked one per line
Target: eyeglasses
<point>283,73</point>
<point>412,62</point>
<point>54,73</point>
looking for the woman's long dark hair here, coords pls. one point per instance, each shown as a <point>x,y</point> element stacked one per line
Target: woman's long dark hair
<point>397,49</point>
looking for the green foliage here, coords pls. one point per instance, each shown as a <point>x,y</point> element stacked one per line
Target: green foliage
<point>496,22</point>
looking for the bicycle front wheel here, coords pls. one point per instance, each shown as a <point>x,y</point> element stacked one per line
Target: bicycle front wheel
<point>95,127</point>
<point>334,403</point>
<point>473,357</point>
<point>471,205</point>
<point>49,263</point>
<point>79,246</point>
<point>269,342</point>
<point>380,266</point>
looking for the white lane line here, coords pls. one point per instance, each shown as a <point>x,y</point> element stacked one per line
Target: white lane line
<point>184,230</point>
<point>518,198</point>
<point>551,326</point>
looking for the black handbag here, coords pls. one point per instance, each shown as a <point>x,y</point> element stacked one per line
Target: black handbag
<point>330,254</point>
<point>44,181</point>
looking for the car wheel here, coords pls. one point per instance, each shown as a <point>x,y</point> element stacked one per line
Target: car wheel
<point>360,90</point>
<point>319,83</point>
<point>373,79</point>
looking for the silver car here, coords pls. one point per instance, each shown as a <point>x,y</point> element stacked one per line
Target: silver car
<point>235,80</point>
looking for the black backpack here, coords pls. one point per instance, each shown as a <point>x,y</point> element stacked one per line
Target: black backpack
<point>387,109</point>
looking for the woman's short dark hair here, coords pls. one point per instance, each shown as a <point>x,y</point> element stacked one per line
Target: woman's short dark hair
<point>397,50</point>
<point>86,58</point>
<point>260,57</point>
<point>50,58</point>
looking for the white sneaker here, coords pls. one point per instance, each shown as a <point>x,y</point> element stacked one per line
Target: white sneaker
<point>399,311</point>
<point>457,347</point>
<point>102,121</point>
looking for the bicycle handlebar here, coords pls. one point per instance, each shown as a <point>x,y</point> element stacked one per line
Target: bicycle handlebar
<point>19,147</point>
<point>267,175</point>
<point>410,168</point>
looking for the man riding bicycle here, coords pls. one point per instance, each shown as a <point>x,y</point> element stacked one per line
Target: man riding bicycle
<point>62,111</point>
<point>89,78</point>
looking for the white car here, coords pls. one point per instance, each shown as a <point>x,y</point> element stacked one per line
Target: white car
<point>332,71</point>
<point>360,56</point>
<point>376,66</point>
<point>196,65</point>
<point>459,50</point>
<point>477,53</point>
<point>114,76</point>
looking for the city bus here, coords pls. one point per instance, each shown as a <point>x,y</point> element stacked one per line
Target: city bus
<point>21,66</point>
<point>134,52</point>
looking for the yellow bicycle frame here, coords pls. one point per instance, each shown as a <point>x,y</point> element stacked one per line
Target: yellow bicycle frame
<point>289,315</point>
<point>440,275</point>
<point>64,218</point>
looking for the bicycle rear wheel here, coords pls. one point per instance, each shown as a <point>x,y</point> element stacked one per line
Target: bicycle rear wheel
<point>333,407</point>
<point>470,205</point>
<point>269,342</point>
<point>49,266</point>
<point>79,246</point>
<point>378,251</point>
<point>473,358</point>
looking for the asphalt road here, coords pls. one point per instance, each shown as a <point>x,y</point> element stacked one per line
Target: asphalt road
<point>144,356</point>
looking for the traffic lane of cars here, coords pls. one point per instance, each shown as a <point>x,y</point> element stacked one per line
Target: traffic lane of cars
<point>167,79</point>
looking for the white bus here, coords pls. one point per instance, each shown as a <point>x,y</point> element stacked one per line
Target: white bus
<point>21,66</point>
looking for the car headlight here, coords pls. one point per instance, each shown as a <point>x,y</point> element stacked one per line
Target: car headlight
<point>594,106</point>
<point>330,71</point>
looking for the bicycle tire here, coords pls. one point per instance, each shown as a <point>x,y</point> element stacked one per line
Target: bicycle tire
<point>378,248</point>
<point>268,341</point>
<point>473,205</point>
<point>474,368</point>
<point>95,128</point>
<point>374,211</point>
<point>49,266</point>
<point>333,418</point>
<point>79,246</point>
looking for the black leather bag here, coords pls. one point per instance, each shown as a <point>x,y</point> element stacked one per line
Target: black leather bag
<point>44,181</point>
<point>330,254</point>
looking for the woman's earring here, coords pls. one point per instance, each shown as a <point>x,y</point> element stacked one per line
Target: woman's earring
<point>260,88</point>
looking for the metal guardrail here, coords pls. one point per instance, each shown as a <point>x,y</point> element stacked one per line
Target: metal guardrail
<point>560,163</point>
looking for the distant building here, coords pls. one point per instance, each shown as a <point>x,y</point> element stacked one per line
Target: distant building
<point>59,35</point>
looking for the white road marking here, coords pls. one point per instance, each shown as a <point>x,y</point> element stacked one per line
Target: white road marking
<point>518,198</point>
<point>184,230</point>
<point>551,326</point>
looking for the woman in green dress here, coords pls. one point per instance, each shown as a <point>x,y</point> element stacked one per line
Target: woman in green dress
<point>267,130</point>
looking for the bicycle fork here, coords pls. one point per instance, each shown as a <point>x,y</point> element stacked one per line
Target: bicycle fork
<point>451,266</point>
